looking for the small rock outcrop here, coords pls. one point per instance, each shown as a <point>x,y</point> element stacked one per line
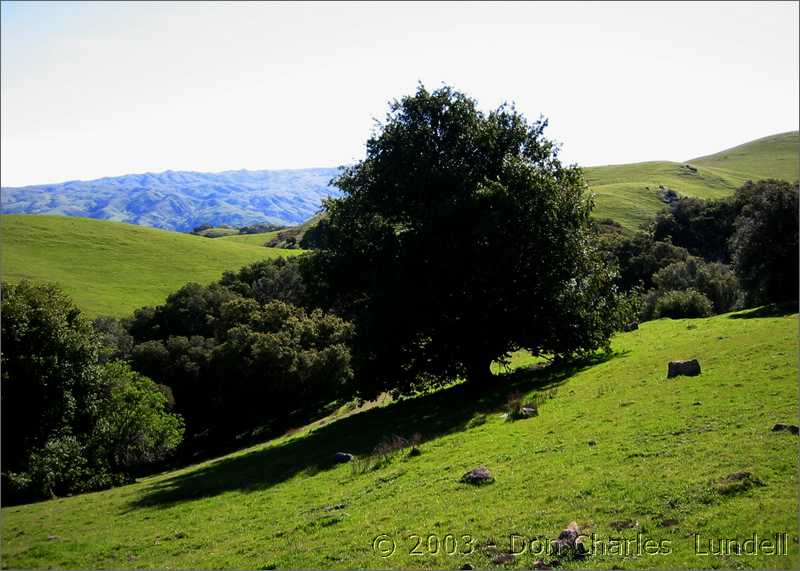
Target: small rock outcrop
<point>782,426</point>
<point>737,482</point>
<point>666,194</point>
<point>478,476</point>
<point>689,368</point>
<point>570,540</point>
<point>342,457</point>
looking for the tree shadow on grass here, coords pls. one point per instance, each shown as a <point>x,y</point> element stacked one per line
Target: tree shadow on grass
<point>431,415</point>
<point>772,310</point>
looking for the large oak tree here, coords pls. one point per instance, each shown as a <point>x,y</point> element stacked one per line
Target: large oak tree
<point>459,238</point>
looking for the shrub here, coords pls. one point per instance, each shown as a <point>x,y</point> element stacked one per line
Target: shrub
<point>714,280</point>
<point>135,427</point>
<point>382,454</point>
<point>518,407</point>
<point>680,304</point>
<point>59,467</point>
<point>701,226</point>
<point>269,280</point>
<point>640,256</point>
<point>115,341</point>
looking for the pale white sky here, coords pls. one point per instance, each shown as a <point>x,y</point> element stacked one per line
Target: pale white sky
<point>103,89</point>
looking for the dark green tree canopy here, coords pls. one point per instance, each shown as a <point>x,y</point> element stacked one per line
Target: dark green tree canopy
<point>460,237</point>
<point>765,241</point>
<point>71,420</point>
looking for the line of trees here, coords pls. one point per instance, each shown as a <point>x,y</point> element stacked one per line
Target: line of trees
<point>702,257</point>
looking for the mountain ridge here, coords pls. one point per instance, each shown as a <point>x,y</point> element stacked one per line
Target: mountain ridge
<point>181,200</point>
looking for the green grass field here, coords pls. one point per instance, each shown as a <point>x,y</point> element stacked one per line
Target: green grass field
<point>218,232</point>
<point>112,268</point>
<point>252,239</point>
<point>777,156</point>
<point>616,447</point>
<point>627,193</point>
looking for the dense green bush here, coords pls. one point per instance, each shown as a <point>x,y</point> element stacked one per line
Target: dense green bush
<point>71,422</point>
<point>703,227</point>
<point>133,427</point>
<point>242,353</point>
<point>714,280</point>
<point>115,341</point>
<point>639,257</point>
<point>765,241</point>
<point>192,310</point>
<point>50,377</point>
<point>275,279</point>
<point>280,359</point>
<point>680,304</point>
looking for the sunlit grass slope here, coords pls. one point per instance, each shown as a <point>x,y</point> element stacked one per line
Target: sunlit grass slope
<point>617,447</point>
<point>253,239</point>
<point>777,156</point>
<point>628,193</point>
<point>111,267</point>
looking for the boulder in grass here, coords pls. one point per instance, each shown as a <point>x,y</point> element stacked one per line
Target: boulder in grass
<point>342,457</point>
<point>570,541</point>
<point>782,426</point>
<point>478,476</point>
<point>689,368</point>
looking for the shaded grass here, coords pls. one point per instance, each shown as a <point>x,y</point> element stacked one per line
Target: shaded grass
<point>111,267</point>
<point>618,443</point>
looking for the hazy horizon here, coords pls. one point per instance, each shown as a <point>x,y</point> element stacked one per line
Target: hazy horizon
<point>327,167</point>
<point>102,90</point>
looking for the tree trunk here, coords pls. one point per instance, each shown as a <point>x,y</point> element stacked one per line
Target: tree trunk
<point>479,371</point>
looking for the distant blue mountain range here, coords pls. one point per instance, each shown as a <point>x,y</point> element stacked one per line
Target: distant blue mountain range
<point>182,200</point>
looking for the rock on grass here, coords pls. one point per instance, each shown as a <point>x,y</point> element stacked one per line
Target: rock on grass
<point>478,476</point>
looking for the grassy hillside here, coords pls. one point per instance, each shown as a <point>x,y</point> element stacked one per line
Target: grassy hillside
<point>253,239</point>
<point>293,235</point>
<point>616,447</point>
<point>777,156</point>
<point>628,193</point>
<point>111,267</point>
<point>217,232</point>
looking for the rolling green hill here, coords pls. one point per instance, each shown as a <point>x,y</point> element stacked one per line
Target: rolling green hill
<point>777,156</point>
<point>112,268</point>
<point>616,447</point>
<point>253,239</point>
<point>628,193</point>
